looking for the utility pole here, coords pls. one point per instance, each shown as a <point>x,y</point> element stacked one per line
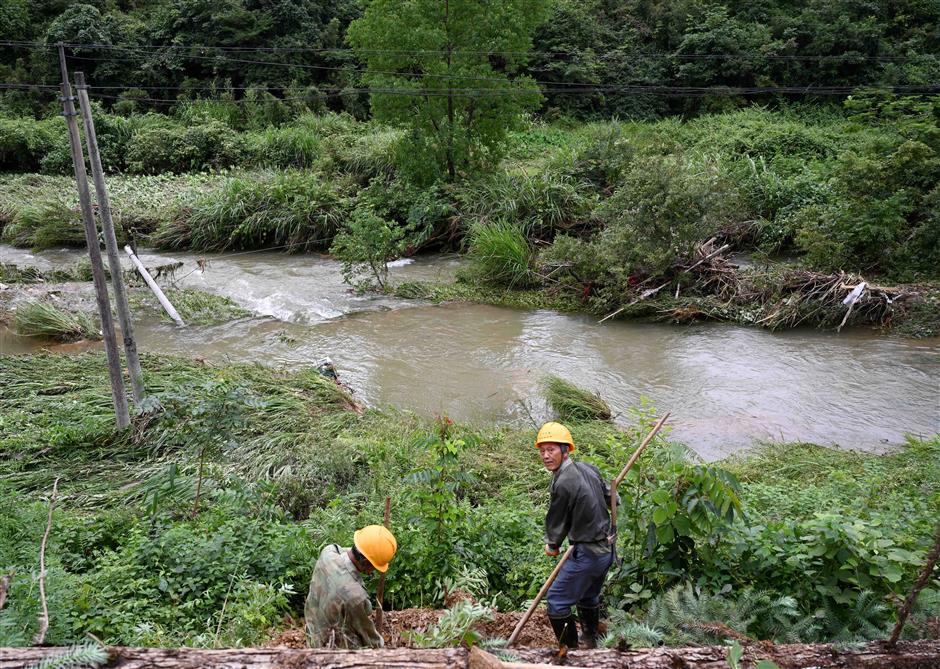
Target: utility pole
<point>91,238</point>
<point>110,242</point>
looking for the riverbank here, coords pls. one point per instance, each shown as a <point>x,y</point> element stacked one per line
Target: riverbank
<point>253,469</point>
<point>603,218</point>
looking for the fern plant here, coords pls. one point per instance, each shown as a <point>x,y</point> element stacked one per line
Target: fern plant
<point>686,616</point>
<point>87,655</point>
<point>455,627</point>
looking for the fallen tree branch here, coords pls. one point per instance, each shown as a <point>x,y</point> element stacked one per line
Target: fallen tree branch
<point>44,616</point>
<point>4,587</point>
<point>925,575</point>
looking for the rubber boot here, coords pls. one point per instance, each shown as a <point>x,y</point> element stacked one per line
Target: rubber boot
<point>566,631</point>
<point>590,619</point>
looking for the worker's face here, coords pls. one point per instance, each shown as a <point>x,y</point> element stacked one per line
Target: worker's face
<point>552,455</point>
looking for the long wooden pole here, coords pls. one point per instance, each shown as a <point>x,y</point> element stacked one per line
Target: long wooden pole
<point>380,589</point>
<point>538,597</point>
<point>94,252</point>
<point>110,242</point>
<point>623,473</point>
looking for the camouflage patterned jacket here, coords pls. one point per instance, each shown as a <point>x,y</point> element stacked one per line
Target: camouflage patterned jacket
<point>338,613</point>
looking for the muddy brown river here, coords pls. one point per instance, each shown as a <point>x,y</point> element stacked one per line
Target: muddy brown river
<point>727,387</point>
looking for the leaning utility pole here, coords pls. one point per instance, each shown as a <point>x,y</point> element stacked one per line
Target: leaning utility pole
<point>91,238</point>
<point>110,242</point>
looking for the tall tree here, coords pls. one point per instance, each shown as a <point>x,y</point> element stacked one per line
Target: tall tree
<point>445,70</point>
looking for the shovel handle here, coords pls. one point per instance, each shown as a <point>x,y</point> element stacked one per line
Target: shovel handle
<point>538,597</point>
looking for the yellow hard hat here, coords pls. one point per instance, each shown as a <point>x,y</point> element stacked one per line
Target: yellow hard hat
<point>555,432</point>
<point>377,544</point>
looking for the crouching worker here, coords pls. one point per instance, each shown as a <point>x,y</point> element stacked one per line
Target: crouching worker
<point>579,509</point>
<point>338,613</point>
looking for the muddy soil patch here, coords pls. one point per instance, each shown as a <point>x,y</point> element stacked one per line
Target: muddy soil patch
<point>400,624</point>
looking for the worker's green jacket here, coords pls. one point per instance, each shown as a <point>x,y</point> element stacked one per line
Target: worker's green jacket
<point>338,613</point>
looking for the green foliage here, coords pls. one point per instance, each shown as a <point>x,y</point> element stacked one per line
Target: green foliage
<point>297,211</point>
<point>572,403</point>
<point>441,517</point>
<point>500,255</point>
<point>44,225</point>
<point>283,477</point>
<point>881,216</point>
<point>24,142</point>
<point>365,245</point>
<point>455,627</point>
<point>686,616</point>
<point>537,205</point>
<point>174,148</point>
<point>80,656</point>
<point>43,319</point>
<point>459,124</point>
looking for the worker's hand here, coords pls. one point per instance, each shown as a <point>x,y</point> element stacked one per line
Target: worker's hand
<point>551,552</point>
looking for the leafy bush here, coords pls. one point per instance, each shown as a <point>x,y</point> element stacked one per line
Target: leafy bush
<point>173,148</point>
<point>455,627</point>
<point>365,245</point>
<point>24,142</point>
<point>686,616</point>
<point>500,255</point>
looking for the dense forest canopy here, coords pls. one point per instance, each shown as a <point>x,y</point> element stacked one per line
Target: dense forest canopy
<point>640,58</point>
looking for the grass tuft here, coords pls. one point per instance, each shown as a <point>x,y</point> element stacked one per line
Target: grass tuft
<point>572,403</point>
<point>500,255</point>
<point>41,319</point>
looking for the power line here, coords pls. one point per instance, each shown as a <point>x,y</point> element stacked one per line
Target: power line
<point>624,54</point>
<point>692,91</point>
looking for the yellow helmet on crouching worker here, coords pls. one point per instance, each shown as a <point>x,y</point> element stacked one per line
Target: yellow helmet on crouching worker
<point>554,432</point>
<point>377,544</point>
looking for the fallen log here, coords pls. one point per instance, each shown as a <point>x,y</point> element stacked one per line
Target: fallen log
<point>907,655</point>
<point>253,658</point>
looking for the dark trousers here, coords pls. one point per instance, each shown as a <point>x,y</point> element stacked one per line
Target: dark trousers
<point>579,582</point>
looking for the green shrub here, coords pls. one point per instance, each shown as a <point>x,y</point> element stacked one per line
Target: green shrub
<point>365,245</point>
<point>500,255</point>
<point>174,148</point>
<point>24,142</point>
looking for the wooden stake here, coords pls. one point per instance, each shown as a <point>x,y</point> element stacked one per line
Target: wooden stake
<point>380,590</point>
<point>110,242</point>
<point>94,252</point>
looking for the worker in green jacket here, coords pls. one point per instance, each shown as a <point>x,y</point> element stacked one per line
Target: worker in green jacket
<point>338,613</point>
